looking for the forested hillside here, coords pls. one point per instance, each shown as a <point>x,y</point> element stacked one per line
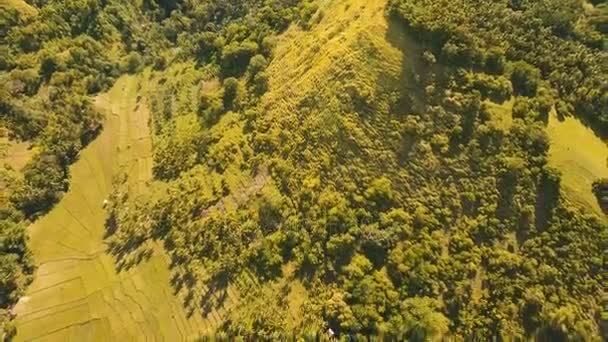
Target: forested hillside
<point>366,166</point>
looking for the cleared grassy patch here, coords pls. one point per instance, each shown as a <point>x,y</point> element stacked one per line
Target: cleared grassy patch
<point>77,293</point>
<point>575,150</point>
<point>501,114</point>
<point>580,155</point>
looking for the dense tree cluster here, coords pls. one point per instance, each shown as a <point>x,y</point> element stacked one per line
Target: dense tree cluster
<point>562,42</point>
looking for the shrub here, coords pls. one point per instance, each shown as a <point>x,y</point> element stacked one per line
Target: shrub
<point>132,63</point>
<point>525,79</point>
<point>231,91</point>
<point>236,57</point>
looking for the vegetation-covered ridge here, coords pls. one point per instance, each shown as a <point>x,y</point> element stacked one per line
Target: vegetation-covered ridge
<point>53,56</point>
<point>354,173</point>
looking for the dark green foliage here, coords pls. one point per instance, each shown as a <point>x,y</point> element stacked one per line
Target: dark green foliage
<point>525,79</point>
<point>177,148</point>
<point>236,56</point>
<point>16,266</point>
<point>600,189</point>
<point>495,61</point>
<point>496,88</point>
<point>43,185</point>
<point>257,64</point>
<point>231,91</point>
<point>535,60</point>
<point>553,39</point>
<point>420,319</point>
<point>160,63</point>
<point>15,260</point>
<point>132,63</point>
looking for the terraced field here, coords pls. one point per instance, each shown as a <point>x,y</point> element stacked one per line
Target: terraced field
<point>77,293</point>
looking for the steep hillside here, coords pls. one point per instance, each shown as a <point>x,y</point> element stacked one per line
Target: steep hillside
<point>361,179</point>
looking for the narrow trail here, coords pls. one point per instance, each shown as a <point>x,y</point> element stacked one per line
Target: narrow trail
<point>243,195</point>
<point>77,293</point>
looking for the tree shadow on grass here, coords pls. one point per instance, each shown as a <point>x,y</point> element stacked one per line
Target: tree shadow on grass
<point>197,297</point>
<point>411,96</point>
<point>127,254</point>
<point>126,259</point>
<point>216,293</point>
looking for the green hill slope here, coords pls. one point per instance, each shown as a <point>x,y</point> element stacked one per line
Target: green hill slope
<point>403,187</point>
<point>365,166</point>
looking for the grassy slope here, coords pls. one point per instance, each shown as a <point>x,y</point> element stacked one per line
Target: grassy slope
<point>352,38</point>
<point>576,151</point>
<point>580,155</point>
<point>77,294</point>
<point>20,5</point>
<point>351,41</point>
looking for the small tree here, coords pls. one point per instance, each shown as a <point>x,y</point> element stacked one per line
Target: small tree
<point>231,90</point>
<point>48,66</point>
<point>236,57</point>
<point>257,64</point>
<point>133,62</point>
<point>525,79</point>
<point>381,192</point>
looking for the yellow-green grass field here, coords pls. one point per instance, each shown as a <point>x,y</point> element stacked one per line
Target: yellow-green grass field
<point>77,293</point>
<point>581,156</point>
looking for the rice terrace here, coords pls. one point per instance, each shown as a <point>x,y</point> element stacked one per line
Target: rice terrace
<point>420,170</point>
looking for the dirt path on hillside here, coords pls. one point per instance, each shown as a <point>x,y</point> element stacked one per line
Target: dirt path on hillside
<point>242,196</point>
